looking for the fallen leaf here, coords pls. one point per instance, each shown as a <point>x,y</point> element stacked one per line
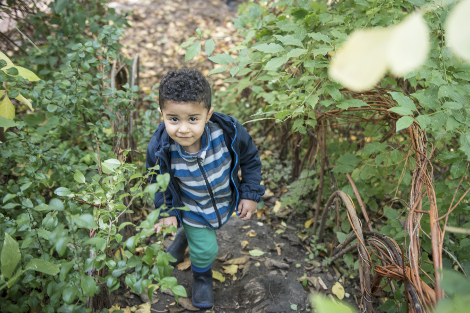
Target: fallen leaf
<point>114,308</point>
<point>257,264</point>
<point>184,265</point>
<point>273,264</point>
<point>238,261</point>
<point>309,222</point>
<point>251,233</point>
<point>218,276</point>
<point>142,308</point>
<point>277,206</point>
<point>322,283</point>
<point>187,304</point>
<point>225,257</point>
<point>246,269</point>
<point>278,250</point>
<point>244,244</point>
<point>173,308</point>
<point>168,292</point>
<point>338,290</point>
<point>247,226</point>
<point>256,252</point>
<point>230,269</point>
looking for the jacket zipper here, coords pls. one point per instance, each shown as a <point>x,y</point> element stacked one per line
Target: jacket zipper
<point>210,191</point>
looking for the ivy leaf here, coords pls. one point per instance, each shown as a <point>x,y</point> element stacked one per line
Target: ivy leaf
<point>275,63</point>
<point>192,51</point>
<point>179,291</point>
<point>42,266</point>
<point>289,40</point>
<point>10,256</point>
<point>209,46</point>
<point>404,122</point>
<point>341,236</point>
<point>457,26</point>
<point>269,48</point>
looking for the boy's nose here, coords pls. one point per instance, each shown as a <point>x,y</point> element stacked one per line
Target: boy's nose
<point>183,128</point>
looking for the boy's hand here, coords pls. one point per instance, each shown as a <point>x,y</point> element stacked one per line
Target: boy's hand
<point>246,208</point>
<point>166,222</point>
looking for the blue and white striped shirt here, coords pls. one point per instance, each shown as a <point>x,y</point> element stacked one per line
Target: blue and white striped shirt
<point>191,170</point>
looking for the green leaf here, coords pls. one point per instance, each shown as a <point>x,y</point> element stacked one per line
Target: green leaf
<point>10,256</point>
<point>293,307</point>
<point>322,51</point>
<point>192,51</point>
<point>79,177</point>
<point>223,59</point>
<point>289,40</point>
<point>59,5</point>
<point>199,32</point>
<point>187,42</point>
<point>325,305</point>
<point>88,286</point>
<point>352,103</point>
<point>452,105</point>
<point>209,46</point>
<point>69,294</point>
<point>12,71</point>
<point>100,243</point>
<point>42,266</point>
<point>320,37</point>
<point>404,122</point>
<point>179,291</point>
<point>56,205</point>
<point>85,221</point>
<point>218,70</point>
<point>341,236</point>
<point>375,147</point>
<point>256,252</point>
<point>269,48</point>
<point>9,196</point>
<point>403,100</point>
<point>275,63</point>
<point>6,122</point>
<point>401,110</point>
<point>7,109</point>
<point>423,120</point>
<point>295,53</point>
<point>42,207</point>
<point>62,192</point>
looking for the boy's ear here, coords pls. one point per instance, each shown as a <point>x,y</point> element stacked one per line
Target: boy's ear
<point>160,110</point>
<point>211,110</point>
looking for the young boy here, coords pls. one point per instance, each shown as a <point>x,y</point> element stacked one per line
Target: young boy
<point>202,151</point>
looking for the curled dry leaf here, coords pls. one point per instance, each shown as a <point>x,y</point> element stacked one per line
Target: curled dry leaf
<point>277,206</point>
<point>251,233</point>
<point>238,261</point>
<point>273,264</point>
<point>187,304</point>
<point>184,265</point>
<point>246,269</point>
<point>225,257</point>
<point>244,243</point>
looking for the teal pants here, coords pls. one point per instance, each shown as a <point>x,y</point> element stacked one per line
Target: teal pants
<point>203,246</point>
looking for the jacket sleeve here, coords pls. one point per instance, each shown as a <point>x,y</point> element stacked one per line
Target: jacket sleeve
<point>160,197</point>
<point>250,165</point>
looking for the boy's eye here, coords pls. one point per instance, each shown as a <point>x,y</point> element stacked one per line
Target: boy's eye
<point>174,119</point>
<point>193,119</point>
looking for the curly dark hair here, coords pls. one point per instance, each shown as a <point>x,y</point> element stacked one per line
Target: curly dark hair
<point>185,85</point>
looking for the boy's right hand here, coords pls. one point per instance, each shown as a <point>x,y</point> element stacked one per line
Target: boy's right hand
<point>167,221</point>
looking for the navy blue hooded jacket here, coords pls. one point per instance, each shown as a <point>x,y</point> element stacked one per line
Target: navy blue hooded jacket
<point>244,155</point>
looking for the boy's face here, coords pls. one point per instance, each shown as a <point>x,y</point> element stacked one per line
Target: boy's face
<point>185,122</point>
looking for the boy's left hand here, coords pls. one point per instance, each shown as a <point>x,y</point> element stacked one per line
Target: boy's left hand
<point>246,208</point>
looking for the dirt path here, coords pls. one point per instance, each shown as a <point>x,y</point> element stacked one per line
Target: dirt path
<point>271,282</point>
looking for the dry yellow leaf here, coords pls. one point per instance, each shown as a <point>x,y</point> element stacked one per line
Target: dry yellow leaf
<point>218,276</point>
<point>238,261</point>
<point>244,244</point>
<point>277,206</point>
<point>231,269</point>
<point>114,308</point>
<point>251,233</point>
<point>184,265</point>
<point>309,223</point>
<point>247,226</point>
<point>338,290</point>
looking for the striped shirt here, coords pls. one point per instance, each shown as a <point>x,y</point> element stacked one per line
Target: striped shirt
<point>204,178</point>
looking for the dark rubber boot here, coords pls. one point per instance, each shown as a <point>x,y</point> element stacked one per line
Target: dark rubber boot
<point>178,247</point>
<point>203,295</point>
